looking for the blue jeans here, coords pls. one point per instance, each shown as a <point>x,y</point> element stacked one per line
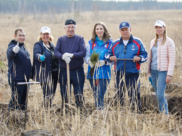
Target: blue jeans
<point>77,79</point>
<point>132,88</point>
<point>99,87</point>
<point>159,84</point>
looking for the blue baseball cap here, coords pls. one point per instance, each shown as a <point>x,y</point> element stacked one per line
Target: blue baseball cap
<point>124,24</point>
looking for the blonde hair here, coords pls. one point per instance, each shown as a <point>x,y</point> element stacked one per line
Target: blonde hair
<point>50,39</point>
<point>106,35</point>
<point>164,38</point>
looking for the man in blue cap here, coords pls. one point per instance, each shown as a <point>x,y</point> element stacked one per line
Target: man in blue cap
<point>19,70</point>
<point>71,49</point>
<point>127,47</point>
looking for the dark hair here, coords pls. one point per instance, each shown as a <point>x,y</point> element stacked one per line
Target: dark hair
<point>106,35</point>
<point>19,29</point>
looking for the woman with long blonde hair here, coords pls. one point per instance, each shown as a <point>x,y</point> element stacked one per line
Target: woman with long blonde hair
<point>45,65</point>
<point>161,63</point>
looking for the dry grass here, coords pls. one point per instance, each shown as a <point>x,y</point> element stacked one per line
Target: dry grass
<point>110,121</point>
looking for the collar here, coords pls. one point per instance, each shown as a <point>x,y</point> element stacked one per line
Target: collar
<point>97,38</point>
<point>49,44</point>
<point>129,41</point>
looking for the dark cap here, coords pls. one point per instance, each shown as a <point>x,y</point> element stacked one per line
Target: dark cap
<point>124,24</point>
<point>70,21</point>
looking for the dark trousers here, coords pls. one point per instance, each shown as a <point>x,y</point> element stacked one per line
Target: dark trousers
<point>99,87</point>
<point>130,85</point>
<point>49,88</point>
<point>77,79</point>
<point>18,96</point>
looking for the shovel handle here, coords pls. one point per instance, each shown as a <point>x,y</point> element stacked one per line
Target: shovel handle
<point>125,59</point>
<point>68,82</point>
<point>27,83</point>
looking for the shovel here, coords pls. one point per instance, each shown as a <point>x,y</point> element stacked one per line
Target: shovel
<point>68,81</point>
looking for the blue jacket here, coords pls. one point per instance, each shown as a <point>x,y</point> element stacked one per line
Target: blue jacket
<point>45,67</point>
<point>134,48</point>
<point>103,72</point>
<point>19,64</point>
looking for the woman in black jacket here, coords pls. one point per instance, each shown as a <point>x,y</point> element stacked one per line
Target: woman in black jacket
<point>45,65</point>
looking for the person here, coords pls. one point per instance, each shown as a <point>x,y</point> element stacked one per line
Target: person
<point>70,49</point>
<point>99,43</point>
<point>45,65</point>
<point>161,63</point>
<point>19,70</point>
<point>127,47</point>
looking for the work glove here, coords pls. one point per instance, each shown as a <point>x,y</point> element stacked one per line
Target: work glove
<point>150,79</point>
<point>16,48</point>
<point>42,57</point>
<point>100,63</point>
<point>66,55</point>
<point>91,64</point>
<point>67,60</point>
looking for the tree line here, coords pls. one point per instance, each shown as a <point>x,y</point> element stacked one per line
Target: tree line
<point>66,6</point>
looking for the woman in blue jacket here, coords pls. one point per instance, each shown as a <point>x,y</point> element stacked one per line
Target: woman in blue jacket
<point>99,43</point>
<point>45,65</point>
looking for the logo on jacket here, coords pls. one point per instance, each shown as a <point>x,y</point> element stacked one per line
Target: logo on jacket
<point>106,45</point>
<point>133,47</point>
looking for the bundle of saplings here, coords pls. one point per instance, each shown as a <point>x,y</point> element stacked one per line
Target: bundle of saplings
<point>94,58</point>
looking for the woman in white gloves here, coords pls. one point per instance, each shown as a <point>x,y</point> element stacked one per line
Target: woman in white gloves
<point>99,43</point>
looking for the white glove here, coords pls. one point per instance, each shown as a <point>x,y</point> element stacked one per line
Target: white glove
<point>16,48</point>
<point>66,55</point>
<point>67,60</point>
<point>100,63</point>
<point>90,63</point>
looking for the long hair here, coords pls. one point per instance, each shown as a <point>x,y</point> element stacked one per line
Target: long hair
<point>163,40</point>
<point>106,35</point>
<point>50,39</point>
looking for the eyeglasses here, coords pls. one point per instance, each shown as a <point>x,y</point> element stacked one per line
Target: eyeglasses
<point>70,27</point>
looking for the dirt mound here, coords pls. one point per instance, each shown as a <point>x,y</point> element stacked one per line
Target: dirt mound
<point>175,105</point>
<point>149,102</point>
<point>174,87</point>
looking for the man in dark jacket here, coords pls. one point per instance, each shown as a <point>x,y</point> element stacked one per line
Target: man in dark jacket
<point>19,70</point>
<point>71,49</point>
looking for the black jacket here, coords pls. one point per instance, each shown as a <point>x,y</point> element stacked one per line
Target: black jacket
<point>47,68</point>
<point>19,64</point>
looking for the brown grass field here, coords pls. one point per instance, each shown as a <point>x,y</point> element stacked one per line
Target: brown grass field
<point>110,121</point>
